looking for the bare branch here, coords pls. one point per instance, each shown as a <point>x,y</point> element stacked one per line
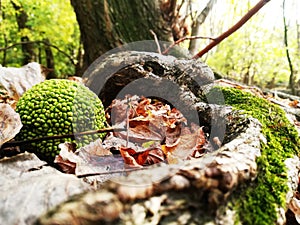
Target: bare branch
<point>183,39</point>
<point>156,41</point>
<point>234,28</point>
<point>40,42</point>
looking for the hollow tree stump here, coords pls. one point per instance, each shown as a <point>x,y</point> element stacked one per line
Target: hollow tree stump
<point>198,191</point>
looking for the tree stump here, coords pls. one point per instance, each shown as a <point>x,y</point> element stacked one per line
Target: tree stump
<point>198,191</point>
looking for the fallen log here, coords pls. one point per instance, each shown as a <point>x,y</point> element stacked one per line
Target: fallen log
<point>215,188</point>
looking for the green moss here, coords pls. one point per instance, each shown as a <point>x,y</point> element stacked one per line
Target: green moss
<point>257,202</point>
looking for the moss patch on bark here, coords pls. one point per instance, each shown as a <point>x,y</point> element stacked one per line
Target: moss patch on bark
<point>258,201</point>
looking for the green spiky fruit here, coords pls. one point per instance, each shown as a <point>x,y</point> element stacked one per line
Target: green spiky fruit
<point>58,107</point>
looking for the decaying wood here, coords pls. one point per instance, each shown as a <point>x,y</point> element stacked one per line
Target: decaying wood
<point>195,189</point>
<point>29,188</point>
<point>110,73</point>
<point>191,192</point>
<point>283,95</point>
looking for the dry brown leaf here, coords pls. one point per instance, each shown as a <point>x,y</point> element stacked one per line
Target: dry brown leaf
<point>120,110</point>
<point>17,80</point>
<point>140,134</point>
<point>294,104</point>
<point>156,155</point>
<point>69,159</point>
<point>133,158</point>
<point>90,159</point>
<point>66,160</point>
<point>294,206</point>
<point>95,148</point>
<point>187,145</point>
<point>10,123</point>
<point>151,120</point>
<point>65,165</point>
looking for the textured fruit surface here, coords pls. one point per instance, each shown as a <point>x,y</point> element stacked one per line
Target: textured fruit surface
<point>57,107</point>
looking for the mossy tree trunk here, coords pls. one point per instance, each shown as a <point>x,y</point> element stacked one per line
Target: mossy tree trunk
<point>106,24</point>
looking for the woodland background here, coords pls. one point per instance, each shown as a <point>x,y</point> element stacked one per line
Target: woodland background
<point>68,35</point>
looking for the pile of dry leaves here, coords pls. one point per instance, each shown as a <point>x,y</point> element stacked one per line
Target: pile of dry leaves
<point>154,132</point>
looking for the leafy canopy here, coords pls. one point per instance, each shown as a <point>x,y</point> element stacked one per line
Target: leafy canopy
<point>48,19</point>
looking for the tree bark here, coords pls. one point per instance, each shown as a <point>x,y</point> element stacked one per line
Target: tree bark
<point>27,46</point>
<point>49,59</point>
<point>106,24</point>
<point>298,37</point>
<point>292,77</point>
<point>197,24</point>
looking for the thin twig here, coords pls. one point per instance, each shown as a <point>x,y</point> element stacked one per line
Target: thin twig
<point>111,172</point>
<point>127,121</point>
<point>183,39</point>
<point>40,42</point>
<point>234,28</point>
<point>156,41</point>
<point>73,136</point>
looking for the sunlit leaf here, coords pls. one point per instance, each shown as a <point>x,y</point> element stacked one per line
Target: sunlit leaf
<point>133,158</point>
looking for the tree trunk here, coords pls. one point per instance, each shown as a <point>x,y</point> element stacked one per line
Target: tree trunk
<point>298,37</point>
<point>292,76</point>
<point>49,58</point>
<point>106,24</point>
<point>197,24</point>
<point>27,46</point>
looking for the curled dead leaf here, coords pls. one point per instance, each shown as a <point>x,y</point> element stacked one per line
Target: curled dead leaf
<point>10,123</point>
<point>294,206</point>
<point>187,145</point>
<point>133,158</point>
<point>17,80</point>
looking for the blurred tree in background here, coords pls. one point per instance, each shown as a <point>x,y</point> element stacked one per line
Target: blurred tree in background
<point>255,54</point>
<point>42,31</point>
<point>67,35</point>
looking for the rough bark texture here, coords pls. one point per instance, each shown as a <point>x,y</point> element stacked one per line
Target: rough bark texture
<point>106,24</point>
<point>112,72</point>
<point>177,81</point>
<point>49,59</point>
<point>27,47</point>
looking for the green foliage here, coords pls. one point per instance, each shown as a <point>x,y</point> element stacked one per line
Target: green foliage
<point>257,49</point>
<point>257,203</point>
<point>251,54</point>
<point>48,19</point>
